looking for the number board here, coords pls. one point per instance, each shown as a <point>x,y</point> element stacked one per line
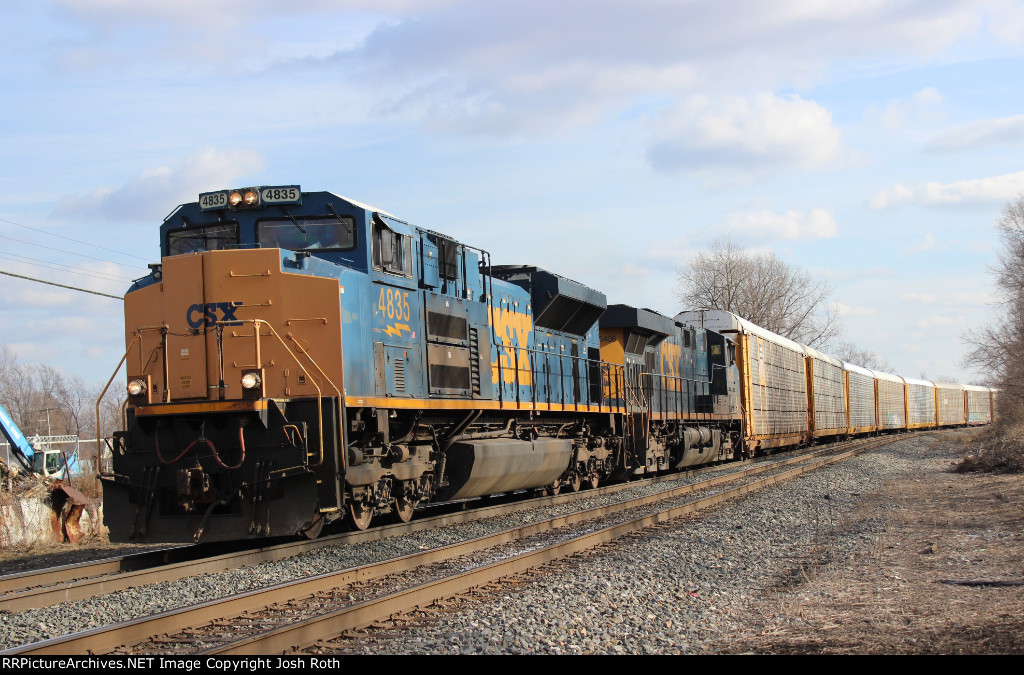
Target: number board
<point>281,194</point>
<point>213,200</point>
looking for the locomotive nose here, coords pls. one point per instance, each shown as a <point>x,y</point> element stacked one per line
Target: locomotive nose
<point>236,423</point>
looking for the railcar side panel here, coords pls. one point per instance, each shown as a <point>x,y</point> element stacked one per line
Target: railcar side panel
<point>827,394</point>
<point>920,404</point>
<point>979,404</point>
<point>891,398</point>
<point>950,404</point>
<point>860,395</point>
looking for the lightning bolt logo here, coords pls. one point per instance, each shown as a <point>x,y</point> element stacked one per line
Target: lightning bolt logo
<point>396,330</point>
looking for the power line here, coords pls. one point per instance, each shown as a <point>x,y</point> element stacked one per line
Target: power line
<point>60,250</point>
<point>53,234</point>
<point>49,264</point>
<point>73,288</point>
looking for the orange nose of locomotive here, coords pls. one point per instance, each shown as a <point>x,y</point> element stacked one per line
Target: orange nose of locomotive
<point>232,325</point>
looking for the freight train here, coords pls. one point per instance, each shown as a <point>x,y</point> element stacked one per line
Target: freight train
<point>299,358</point>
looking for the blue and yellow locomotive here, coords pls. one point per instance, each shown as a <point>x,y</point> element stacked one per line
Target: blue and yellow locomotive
<point>298,358</point>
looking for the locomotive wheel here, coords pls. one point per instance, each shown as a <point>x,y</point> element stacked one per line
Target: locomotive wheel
<point>575,482</point>
<point>403,509</point>
<point>555,488</point>
<point>592,481</point>
<point>359,515</point>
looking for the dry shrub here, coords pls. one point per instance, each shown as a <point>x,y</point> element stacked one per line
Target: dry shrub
<point>998,450</point>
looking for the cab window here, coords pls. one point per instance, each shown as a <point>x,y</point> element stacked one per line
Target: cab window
<point>392,251</point>
<point>308,234</point>
<point>198,239</point>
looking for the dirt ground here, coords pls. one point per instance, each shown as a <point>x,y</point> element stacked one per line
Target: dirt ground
<point>896,596</point>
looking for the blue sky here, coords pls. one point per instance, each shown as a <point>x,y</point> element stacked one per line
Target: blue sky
<point>873,145</point>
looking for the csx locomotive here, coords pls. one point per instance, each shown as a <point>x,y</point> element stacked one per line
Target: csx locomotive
<point>299,358</point>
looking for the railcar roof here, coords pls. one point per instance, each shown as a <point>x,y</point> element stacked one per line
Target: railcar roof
<point>811,351</point>
<point>858,369</point>
<point>888,376</point>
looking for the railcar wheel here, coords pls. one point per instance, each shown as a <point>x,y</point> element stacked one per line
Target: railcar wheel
<point>592,481</point>
<point>575,482</point>
<point>404,508</point>
<point>359,515</point>
<point>555,488</point>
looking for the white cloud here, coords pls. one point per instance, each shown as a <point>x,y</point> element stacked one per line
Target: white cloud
<point>929,244</point>
<point>146,196</point>
<point>753,133</point>
<point>1007,25</point>
<point>766,225</point>
<point>506,66</point>
<point>985,133</point>
<point>927,97</point>
<point>984,191</point>
<point>920,107</point>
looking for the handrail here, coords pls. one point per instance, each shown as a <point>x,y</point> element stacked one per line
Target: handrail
<point>99,430</point>
<point>259,364</point>
<point>302,350</point>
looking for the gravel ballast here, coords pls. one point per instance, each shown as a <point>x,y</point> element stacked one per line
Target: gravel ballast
<point>683,586</point>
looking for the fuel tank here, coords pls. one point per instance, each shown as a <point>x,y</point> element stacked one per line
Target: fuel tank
<point>487,466</point>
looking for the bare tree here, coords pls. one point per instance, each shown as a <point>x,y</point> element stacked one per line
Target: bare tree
<point>75,407</point>
<point>42,400</point>
<point>997,348</point>
<point>761,288</point>
<point>865,358</point>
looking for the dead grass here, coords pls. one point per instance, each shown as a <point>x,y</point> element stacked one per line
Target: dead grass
<point>890,598</point>
<point>998,450</point>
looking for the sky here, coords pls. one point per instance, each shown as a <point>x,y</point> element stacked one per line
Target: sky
<point>873,144</point>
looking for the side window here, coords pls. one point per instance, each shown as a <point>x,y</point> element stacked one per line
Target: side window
<point>392,251</point>
<point>447,254</point>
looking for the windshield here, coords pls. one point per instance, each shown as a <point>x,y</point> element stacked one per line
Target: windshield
<point>199,239</point>
<point>305,234</point>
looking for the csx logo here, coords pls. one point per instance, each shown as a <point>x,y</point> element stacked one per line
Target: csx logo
<point>205,316</point>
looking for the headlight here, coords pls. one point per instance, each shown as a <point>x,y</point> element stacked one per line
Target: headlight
<point>250,381</point>
<point>250,197</point>
<point>235,199</point>
<point>136,387</point>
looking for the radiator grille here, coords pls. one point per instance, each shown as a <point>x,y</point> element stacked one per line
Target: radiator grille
<point>399,373</point>
<point>474,360</point>
<point>446,326</point>
<point>449,377</point>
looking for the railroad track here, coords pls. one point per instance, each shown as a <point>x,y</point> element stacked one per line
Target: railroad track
<point>79,581</point>
<point>308,613</point>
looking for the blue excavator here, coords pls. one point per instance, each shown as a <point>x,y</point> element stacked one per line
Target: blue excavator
<point>54,469</point>
<point>37,459</point>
